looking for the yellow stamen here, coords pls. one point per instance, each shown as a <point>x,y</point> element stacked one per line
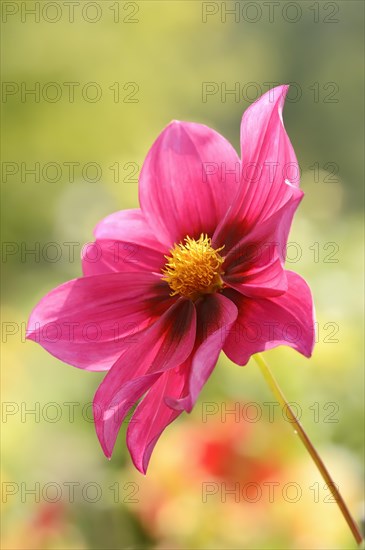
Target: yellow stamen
<point>194,268</point>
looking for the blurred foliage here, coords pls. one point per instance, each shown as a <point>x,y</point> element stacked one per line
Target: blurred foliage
<point>170,53</point>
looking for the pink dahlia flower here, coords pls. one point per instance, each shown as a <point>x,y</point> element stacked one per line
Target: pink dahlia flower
<point>198,269</point>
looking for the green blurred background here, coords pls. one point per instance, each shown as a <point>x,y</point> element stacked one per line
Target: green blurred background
<point>157,56</point>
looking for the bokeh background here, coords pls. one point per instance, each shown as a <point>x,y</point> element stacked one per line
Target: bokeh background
<point>150,62</point>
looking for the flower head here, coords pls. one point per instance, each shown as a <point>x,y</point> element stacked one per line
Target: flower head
<point>198,269</point>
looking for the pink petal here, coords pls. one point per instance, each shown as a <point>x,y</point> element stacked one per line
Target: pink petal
<point>153,415</point>
<point>180,387</point>
<point>264,241</point>
<point>270,280</point>
<point>254,259</point>
<point>265,142</point>
<point>270,170</point>
<point>215,314</point>
<point>87,322</point>
<point>162,346</point>
<point>177,196</point>
<point>105,256</point>
<point>128,226</point>
<point>270,322</point>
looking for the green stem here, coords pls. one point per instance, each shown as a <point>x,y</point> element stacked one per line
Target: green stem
<point>298,429</point>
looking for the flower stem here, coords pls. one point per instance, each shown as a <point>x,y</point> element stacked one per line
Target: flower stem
<point>298,429</point>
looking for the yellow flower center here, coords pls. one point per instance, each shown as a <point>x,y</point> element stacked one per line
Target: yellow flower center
<point>194,268</point>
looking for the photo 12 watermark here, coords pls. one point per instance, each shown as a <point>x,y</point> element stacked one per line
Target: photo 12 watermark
<point>90,492</point>
<point>236,92</point>
<point>235,12</point>
<point>268,411</point>
<point>70,12</point>
<point>69,92</point>
<point>69,171</point>
<point>268,491</point>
